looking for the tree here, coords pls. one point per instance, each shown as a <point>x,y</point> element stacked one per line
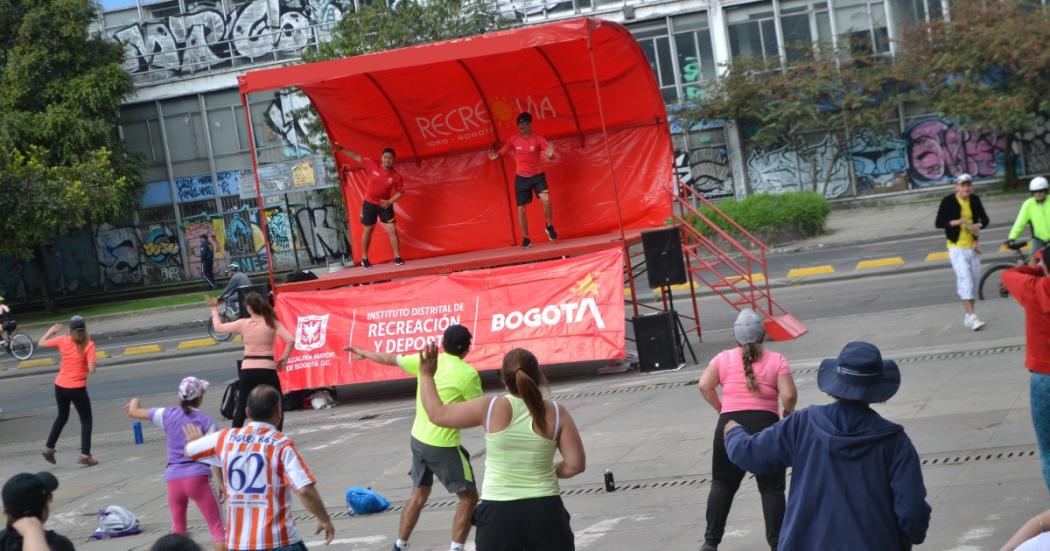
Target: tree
<point>62,166</point>
<point>817,96</point>
<point>987,66</point>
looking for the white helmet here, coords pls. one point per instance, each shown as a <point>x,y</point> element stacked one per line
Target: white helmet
<point>1038,184</point>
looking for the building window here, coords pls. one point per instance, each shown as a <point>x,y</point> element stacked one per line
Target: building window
<point>862,29</point>
<point>696,59</point>
<point>753,33</point>
<point>141,129</point>
<point>805,24</point>
<point>656,44</point>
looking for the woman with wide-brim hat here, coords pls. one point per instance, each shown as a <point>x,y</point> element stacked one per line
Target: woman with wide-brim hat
<point>856,478</point>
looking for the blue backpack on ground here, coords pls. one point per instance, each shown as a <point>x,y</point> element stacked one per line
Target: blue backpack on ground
<point>364,501</point>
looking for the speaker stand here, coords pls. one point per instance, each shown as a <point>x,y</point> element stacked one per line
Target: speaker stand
<point>680,335</point>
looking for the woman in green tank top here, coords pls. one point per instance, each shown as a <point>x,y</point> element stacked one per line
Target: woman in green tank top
<point>520,503</point>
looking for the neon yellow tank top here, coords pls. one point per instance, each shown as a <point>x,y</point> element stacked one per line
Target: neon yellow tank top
<point>519,464</point>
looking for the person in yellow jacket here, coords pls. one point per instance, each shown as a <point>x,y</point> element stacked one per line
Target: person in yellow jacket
<point>1035,211</point>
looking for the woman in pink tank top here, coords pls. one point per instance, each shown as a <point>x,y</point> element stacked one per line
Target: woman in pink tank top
<point>752,381</point>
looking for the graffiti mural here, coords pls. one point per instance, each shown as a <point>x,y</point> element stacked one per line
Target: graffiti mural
<point>939,150</point>
<point>199,187</point>
<point>880,163</point>
<point>707,170</point>
<point>285,116</point>
<point>1035,146</point>
<point>204,37</point>
<point>244,241</point>
<point>161,253</point>
<point>782,170</point>
<point>118,255</point>
<point>213,229</point>
<point>323,233</point>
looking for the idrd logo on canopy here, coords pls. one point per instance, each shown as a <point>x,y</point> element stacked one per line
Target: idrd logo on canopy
<point>310,332</point>
<point>553,314</point>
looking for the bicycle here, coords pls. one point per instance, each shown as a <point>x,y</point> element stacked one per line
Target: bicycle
<point>19,345</point>
<point>994,272</point>
<point>226,314</point>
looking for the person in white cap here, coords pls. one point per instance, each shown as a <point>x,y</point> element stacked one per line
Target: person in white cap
<point>752,379</point>
<point>962,217</point>
<point>1035,212</point>
<point>187,479</point>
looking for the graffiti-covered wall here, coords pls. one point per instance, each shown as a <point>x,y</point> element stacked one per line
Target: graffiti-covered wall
<point>930,151</point>
<point>207,37</point>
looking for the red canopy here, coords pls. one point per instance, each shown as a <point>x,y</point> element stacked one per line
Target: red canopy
<point>444,105</point>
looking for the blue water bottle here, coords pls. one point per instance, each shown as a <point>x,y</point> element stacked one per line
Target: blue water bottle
<point>137,427</point>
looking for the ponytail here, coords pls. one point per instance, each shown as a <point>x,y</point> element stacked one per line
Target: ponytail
<point>80,338</point>
<point>522,376</point>
<point>188,405</point>
<point>260,306</point>
<point>749,353</point>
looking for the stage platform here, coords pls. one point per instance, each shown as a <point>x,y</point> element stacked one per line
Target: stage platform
<point>491,258</point>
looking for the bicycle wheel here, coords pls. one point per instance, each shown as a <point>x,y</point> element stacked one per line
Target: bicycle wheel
<point>21,346</point>
<point>221,337</point>
<point>991,286</point>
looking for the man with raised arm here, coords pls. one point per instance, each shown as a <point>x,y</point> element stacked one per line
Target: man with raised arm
<point>385,187</point>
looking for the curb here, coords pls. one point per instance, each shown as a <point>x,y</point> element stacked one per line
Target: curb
<point>796,247</point>
<point>17,372</point>
<point>118,315</point>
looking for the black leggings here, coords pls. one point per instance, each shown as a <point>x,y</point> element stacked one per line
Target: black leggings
<point>727,477</point>
<point>80,399</point>
<point>248,379</point>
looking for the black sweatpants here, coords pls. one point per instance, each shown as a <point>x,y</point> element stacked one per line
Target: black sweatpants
<point>248,379</point>
<point>727,477</point>
<point>80,400</point>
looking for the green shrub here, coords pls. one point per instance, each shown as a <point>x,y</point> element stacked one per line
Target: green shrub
<point>801,211</point>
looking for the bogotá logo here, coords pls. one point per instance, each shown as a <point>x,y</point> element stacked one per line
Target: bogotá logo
<point>579,308</point>
<point>310,332</point>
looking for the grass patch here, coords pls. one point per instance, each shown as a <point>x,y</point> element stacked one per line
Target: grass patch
<point>803,212</point>
<point>117,308</point>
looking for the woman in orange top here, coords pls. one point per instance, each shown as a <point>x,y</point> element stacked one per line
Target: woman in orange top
<point>259,331</point>
<point>78,361</point>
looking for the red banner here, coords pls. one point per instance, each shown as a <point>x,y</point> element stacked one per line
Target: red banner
<point>563,311</point>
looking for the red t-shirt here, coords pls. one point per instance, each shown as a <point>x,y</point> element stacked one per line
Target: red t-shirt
<point>527,152</point>
<point>382,183</point>
<point>73,372</point>
<point>1031,288</point>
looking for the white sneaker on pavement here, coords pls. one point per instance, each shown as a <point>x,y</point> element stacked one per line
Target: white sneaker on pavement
<point>977,323</point>
<point>968,320</point>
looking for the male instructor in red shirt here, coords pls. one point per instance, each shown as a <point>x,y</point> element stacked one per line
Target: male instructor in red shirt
<point>385,187</point>
<point>530,178</point>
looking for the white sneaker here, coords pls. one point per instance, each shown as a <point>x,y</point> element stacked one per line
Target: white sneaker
<point>977,323</point>
<point>968,320</point>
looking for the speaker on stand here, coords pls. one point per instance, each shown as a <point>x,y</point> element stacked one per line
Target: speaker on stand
<point>665,266</point>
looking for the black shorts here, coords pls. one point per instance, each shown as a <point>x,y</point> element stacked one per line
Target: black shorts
<point>371,211</point>
<point>537,524</point>
<point>451,465</point>
<point>525,186</point>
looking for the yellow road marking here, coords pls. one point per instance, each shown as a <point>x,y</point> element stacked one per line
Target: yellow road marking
<point>38,362</point>
<point>240,338</point>
<point>197,343</point>
<point>101,355</point>
<point>880,263</point>
<point>811,271</point>
<point>143,349</point>
<point>756,278</point>
<point>937,257</point>
<point>1004,249</point>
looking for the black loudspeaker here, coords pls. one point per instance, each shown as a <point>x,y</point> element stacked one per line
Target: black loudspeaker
<point>663,257</point>
<point>261,288</point>
<point>657,349</point>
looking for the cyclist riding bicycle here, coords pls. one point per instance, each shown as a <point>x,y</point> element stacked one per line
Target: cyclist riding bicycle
<point>237,280</point>
<point>7,324</point>
<point>1035,212</point>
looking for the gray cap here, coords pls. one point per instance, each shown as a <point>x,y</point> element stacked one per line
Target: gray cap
<point>964,177</point>
<point>77,322</point>
<point>748,327</point>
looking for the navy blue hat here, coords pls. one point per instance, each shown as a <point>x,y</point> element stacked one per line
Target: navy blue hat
<point>859,373</point>
<point>456,340</point>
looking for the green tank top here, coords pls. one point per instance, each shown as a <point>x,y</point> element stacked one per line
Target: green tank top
<point>519,464</point>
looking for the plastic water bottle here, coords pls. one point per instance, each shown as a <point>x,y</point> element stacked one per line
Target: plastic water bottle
<point>137,428</point>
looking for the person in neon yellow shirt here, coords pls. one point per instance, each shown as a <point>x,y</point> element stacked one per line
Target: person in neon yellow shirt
<point>1035,211</point>
<point>436,449</point>
<point>520,503</point>
<point>962,217</point>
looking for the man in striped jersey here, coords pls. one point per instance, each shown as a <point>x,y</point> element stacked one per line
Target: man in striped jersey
<point>261,467</point>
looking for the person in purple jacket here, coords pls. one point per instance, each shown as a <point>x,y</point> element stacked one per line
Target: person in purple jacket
<point>856,479</point>
<point>187,479</point>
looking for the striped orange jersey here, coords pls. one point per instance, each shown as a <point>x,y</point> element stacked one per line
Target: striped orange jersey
<point>261,467</point>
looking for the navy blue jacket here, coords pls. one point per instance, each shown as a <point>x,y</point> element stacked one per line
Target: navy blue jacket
<point>856,481</point>
<point>206,253</point>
